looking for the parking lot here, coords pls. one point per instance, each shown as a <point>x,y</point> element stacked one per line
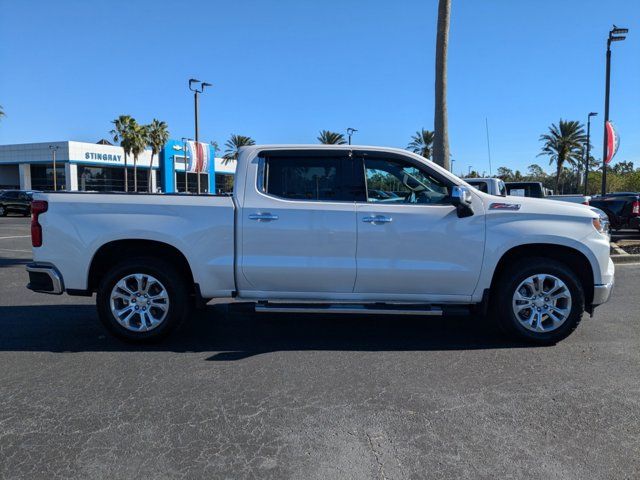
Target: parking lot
<point>240,395</point>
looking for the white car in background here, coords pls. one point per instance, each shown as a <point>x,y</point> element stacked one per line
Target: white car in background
<point>573,198</point>
<point>492,186</point>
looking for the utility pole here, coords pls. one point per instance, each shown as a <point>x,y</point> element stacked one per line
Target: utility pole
<point>350,132</point>
<point>615,35</point>
<point>586,161</point>
<point>186,169</point>
<point>196,91</point>
<point>53,149</point>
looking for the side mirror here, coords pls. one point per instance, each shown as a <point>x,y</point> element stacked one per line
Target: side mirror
<point>462,199</point>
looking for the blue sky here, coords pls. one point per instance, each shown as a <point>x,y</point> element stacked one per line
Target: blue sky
<point>283,70</point>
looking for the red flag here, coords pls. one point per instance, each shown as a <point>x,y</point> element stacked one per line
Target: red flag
<point>613,142</point>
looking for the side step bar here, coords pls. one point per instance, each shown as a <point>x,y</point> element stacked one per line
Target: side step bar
<point>366,309</point>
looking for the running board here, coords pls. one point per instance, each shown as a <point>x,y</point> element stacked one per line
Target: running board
<point>367,309</point>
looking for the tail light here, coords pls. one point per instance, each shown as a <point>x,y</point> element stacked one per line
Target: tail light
<point>635,209</point>
<point>586,202</point>
<point>37,207</point>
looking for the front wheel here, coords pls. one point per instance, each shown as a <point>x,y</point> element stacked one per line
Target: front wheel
<point>539,300</point>
<point>142,300</point>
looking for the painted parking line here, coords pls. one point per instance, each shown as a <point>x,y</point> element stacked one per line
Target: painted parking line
<point>9,250</point>
<point>15,236</point>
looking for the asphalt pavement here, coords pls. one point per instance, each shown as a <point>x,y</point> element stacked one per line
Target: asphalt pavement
<point>235,394</point>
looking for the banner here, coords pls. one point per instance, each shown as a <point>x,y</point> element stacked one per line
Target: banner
<point>198,160</point>
<point>613,142</point>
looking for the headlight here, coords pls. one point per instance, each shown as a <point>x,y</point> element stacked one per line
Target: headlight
<point>601,225</point>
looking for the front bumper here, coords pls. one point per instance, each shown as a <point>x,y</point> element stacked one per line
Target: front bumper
<point>602,292</point>
<point>44,278</point>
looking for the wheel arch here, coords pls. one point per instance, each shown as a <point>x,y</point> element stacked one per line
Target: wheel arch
<point>571,257</point>
<point>112,252</point>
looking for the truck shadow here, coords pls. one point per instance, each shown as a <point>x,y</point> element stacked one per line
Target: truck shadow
<point>232,334</point>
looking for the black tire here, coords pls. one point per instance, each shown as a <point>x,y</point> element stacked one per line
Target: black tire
<point>509,281</point>
<point>176,287</point>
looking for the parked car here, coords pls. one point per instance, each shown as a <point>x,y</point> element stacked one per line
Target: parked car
<point>300,234</point>
<point>582,199</point>
<point>622,208</point>
<point>15,201</point>
<point>492,186</point>
<point>526,189</point>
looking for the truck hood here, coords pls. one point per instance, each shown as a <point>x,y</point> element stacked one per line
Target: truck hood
<point>540,206</point>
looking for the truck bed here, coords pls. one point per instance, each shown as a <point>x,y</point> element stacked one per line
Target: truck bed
<point>76,225</point>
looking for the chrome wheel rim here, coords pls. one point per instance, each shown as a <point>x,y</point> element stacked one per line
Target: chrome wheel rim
<point>542,303</point>
<point>139,302</point>
<point>1,210</point>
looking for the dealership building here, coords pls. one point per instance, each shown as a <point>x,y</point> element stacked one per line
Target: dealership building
<point>81,166</point>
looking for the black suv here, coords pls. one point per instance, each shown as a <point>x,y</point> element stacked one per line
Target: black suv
<point>15,201</point>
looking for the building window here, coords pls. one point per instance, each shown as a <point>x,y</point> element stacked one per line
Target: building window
<point>42,177</point>
<point>224,183</point>
<point>110,179</point>
<point>193,182</point>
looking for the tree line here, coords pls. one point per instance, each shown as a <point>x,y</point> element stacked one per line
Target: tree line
<point>564,144</point>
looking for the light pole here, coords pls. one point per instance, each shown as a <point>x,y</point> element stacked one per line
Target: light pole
<point>469,169</point>
<point>186,171</point>
<point>54,149</point>
<point>586,161</point>
<point>615,35</point>
<point>196,92</point>
<point>350,132</point>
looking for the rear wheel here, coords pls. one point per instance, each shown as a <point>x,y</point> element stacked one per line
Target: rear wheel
<point>143,300</point>
<point>3,211</point>
<point>539,300</point>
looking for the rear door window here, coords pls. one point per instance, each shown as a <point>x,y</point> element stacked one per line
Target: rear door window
<point>309,178</point>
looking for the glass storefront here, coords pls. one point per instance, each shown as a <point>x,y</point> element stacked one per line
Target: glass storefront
<point>224,183</point>
<point>110,179</point>
<point>193,182</point>
<point>42,177</point>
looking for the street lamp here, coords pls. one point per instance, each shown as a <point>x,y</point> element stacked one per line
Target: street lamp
<point>586,161</point>
<point>350,132</point>
<point>186,171</point>
<point>197,91</point>
<point>54,149</point>
<point>615,35</point>
<point>470,170</point>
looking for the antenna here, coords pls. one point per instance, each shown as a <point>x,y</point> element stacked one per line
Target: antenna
<point>486,123</point>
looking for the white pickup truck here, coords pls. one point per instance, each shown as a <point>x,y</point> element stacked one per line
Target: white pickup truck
<point>329,229</point>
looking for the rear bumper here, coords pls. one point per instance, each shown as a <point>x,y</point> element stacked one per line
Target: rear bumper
<point>44,278</point>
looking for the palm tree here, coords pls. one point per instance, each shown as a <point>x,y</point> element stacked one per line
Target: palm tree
<point>233,145</point>
<point>441,129</point>
<point>139,140</point>
<point>2,114</point>
<point>121,127</point>
<point>158,136</point>
<point>331,138</point>
<point>563,143</point>
<point>422,143</point>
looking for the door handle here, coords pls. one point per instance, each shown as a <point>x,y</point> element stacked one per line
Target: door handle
<point>263,217</point>
<point>377,219</point>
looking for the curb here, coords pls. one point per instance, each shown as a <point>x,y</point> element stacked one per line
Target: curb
<point>627,258</point>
